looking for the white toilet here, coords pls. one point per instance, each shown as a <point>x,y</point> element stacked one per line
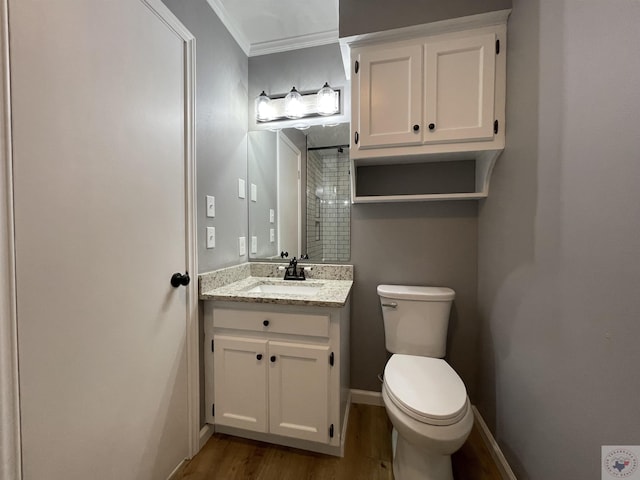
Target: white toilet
<point>425,398</point>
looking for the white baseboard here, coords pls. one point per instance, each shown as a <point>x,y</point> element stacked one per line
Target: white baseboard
<point>367,397</point>
<point>205,434</point>
<point>178,471</point>
<point>492,446</point>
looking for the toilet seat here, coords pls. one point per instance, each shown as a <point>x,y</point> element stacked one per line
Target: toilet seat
<point>427,389</point>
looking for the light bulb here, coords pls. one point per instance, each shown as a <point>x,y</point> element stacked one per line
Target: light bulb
<point>264,111</point>
<point>293,107</point>
<point>326,100</point>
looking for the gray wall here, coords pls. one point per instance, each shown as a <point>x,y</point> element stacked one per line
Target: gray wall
<point>221,128</point>
<point>263,168</point>
<point>307,69</point>
<point>366,16</point>
<point>431,243</point>
<point>559,242</point>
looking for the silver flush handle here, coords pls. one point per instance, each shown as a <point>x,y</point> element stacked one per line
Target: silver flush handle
<point>390,305</point>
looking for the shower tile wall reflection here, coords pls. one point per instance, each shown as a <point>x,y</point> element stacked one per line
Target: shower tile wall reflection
<point>328,207</point>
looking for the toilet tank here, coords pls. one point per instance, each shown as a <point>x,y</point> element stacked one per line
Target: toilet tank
<point>416,319</point>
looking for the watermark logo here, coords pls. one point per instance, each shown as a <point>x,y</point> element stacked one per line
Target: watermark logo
<point>620,461</point>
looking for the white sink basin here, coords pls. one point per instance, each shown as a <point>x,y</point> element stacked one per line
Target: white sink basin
<point>282,289</point>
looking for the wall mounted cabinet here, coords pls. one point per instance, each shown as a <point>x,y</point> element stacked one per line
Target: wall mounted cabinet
<point>431,97</point>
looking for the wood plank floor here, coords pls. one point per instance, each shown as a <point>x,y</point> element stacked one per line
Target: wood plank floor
<point>367,456</point>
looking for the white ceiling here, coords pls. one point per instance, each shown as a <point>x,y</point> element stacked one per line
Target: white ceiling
<point>269,26</point>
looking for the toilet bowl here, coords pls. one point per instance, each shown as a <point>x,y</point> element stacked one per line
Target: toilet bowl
<point>425,398</point>
<point>427,404</point>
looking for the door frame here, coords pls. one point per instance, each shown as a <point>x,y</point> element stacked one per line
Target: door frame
<point>296,151</point>
<point>10,450</point>
<point>191,260</point>
<point>10,439</point>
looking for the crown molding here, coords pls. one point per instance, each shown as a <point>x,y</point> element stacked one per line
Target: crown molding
<point>233,29</point>
<point>294,43</point>
<point>498,17</point>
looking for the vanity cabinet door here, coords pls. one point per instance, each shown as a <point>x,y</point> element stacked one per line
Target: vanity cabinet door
<point>240,382</point>
<point>299,390</point>
<point>460,89</point>
<point>389,85</point>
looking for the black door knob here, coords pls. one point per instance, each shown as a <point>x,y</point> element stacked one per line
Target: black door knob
<point>432,126</point>
<point>416,128</point>
<point>273,358</point>
<point>259,356</point>
<point>178,279</point>
<point>265,323</point>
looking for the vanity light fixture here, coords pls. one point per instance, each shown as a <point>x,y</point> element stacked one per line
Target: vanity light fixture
<point>298,105</point>
<point>327,100</point>
<point>264,112</point>
<point>293,107</point>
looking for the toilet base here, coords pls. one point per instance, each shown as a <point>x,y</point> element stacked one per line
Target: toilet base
<point>412,463</point>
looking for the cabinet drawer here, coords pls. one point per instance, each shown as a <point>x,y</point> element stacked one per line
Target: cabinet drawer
<point>288,323</point>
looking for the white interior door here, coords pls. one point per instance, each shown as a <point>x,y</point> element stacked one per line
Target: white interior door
<point>101,131</point>
<point>289,233</point>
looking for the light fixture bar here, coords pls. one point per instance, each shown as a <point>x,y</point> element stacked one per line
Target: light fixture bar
<point>309,107</point>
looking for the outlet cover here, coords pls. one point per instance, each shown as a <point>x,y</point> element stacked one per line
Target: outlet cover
<point>272,215</point>
<point>242,246</point>
<point>272,235</point>
<point>211,237</point>
<point>254,192</point>
<point>254,244</point>
<point>242,191</point>
<point>211,206</point>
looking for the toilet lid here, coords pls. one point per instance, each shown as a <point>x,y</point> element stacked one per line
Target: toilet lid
<point>427,389</point>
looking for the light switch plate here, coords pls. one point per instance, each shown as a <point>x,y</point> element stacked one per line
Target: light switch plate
<point>211,206</point>
<point>254,192</point>
<point>254,244</point>
<point>242,246</point>
<point>272,235</point>
<point>272,215</point>
<point>242,191</point>
<point>211,237</point>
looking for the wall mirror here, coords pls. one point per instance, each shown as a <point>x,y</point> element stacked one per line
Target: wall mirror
<point>299,194</point>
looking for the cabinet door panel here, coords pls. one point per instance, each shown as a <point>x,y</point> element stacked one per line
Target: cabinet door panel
<point>390,83</point>
<point>299,391</point>
<point>459,89</point>
<point>240,382</point>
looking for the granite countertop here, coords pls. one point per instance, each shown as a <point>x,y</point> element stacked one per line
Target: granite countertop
<point>331,293</point>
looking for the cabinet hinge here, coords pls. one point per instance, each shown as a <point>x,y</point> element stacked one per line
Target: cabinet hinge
<point>357,66</point>
<point>213,409</point>
<point>498,46</point>
<point>212,345</point>
<point>495,127</point>
<point>331,431</point>
<point>331,359</point>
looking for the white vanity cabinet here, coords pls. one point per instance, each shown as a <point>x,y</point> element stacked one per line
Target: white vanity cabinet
<point>414,94</point>
<point>280,373</point>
